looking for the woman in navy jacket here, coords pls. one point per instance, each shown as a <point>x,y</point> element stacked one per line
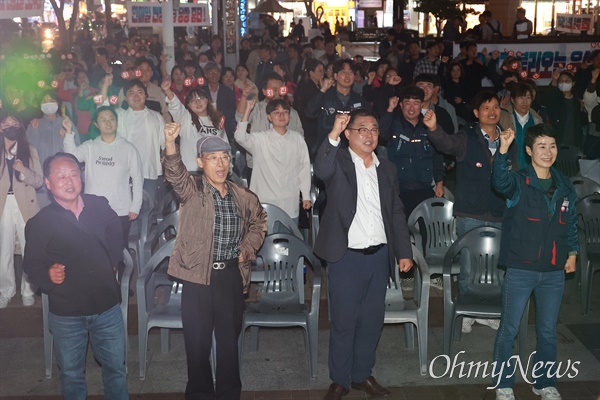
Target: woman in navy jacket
<point>539,244</point>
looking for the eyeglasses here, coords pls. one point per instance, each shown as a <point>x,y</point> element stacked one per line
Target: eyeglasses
<point>7,124</point>
<point>365,131</point>
<point>281,113</point>
<point>214,160</point>
<point>196,99</point>
<point>105,120</point>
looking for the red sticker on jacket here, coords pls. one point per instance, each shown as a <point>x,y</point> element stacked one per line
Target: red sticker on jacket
<point>283,90</point>
<point>41,84</point>
<point>536,76</point>
<point>514,66</point>
<point>54,84</point>
<point>98,99</point>
<point>479,165</point>
<point>187,82</point>
<point>570,67</point>
<point>523,74</point>
<point>270,93</point>
<point>200,81</point>
<point>138,73</point>
<point>113,100</point>
<point>125,75</point>
<point>222,122</point>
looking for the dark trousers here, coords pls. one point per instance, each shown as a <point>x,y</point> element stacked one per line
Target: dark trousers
<point>204,308</point>
<point>357,285</point>
<point>126,226</point>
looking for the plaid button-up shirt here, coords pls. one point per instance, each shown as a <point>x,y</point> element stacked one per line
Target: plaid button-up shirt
<point>227,227</point>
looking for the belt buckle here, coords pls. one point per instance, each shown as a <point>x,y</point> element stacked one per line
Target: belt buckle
<point>218,265</point>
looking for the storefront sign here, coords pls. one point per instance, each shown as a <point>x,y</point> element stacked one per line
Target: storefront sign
<point>21,8</point>
<point>540,59</point>
<point>574,23</point>
<point>370,4</point>
<point>150,14</point>
<point>230,27</point>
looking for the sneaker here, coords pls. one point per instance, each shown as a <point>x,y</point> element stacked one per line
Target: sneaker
<point>505,394</point>
<point>547,393</point>
<point>437,283</point>
<point>28,301</point>
<point>492,323</point>
<point>407,284</point>
<point>467,325</point>
<point>4,301</point>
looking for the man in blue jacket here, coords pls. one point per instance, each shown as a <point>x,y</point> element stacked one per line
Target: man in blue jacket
<point>539,244</point>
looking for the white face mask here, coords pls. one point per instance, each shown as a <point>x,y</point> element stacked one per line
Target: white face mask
<point>565,87</point>
<point>49,108</point>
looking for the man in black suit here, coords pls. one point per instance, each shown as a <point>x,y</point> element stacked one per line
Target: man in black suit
<point>362,233</point>
<point>222,97</point>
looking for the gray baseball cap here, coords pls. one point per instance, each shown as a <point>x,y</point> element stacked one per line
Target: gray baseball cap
<point>212,144</point>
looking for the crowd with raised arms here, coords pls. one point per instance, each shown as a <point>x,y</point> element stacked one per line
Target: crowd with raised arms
<point>289,104</point>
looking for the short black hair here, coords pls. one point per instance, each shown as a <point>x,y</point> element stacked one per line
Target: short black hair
<point>429,78</point>
<point>272,76</point>
<point>339,65</point>
<point>133,83</point>
<point>411,92</point>
<point>58,156</point>
<point>272,105</point>
<point>105,108</point>
<point>536,131</point>
<point>430,44</point>
<point>482,98</point>
<point>360,112</point>
<point>101,51</point>
<point>487,14</point>
<point>142,60</point>
<point>520,89</point>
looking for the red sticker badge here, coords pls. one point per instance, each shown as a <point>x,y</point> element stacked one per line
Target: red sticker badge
<point>536,76</point>
<point>70,56</point>
<point>479,165</point>
<point>523,74</point>
<point>514,66</point>
<point>41,84</point>
<point>200,81</point>
<point>138,73</point>
<point>125,75</point>
<point>570,67</point>
<point>187,82</point>
<point>113,100</point>
<point>283,90</point>
<point>270,93</point>
<point>98,99</point>
<point>222,122</point>
<point>54,84</point>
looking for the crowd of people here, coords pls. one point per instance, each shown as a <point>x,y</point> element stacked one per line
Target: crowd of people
<point>381,137</point>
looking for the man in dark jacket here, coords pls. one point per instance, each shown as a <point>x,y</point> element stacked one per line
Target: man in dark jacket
<point>476,203</point>
<point>332,100</point>
<point>74,246</point>
<point>363,232</point>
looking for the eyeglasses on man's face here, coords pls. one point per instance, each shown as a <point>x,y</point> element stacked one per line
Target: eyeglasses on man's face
<point>214,159</point>
<point>363,132</point>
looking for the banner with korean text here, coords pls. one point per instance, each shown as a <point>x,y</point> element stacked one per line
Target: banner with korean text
<point>150,14</point>
<point>540,59</point>
<point>21,8</point>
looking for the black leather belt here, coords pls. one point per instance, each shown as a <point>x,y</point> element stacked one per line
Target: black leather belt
<point>224,263</point>
<point>369,250</point>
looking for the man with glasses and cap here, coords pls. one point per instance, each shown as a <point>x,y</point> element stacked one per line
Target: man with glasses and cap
<point>222,227</point>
